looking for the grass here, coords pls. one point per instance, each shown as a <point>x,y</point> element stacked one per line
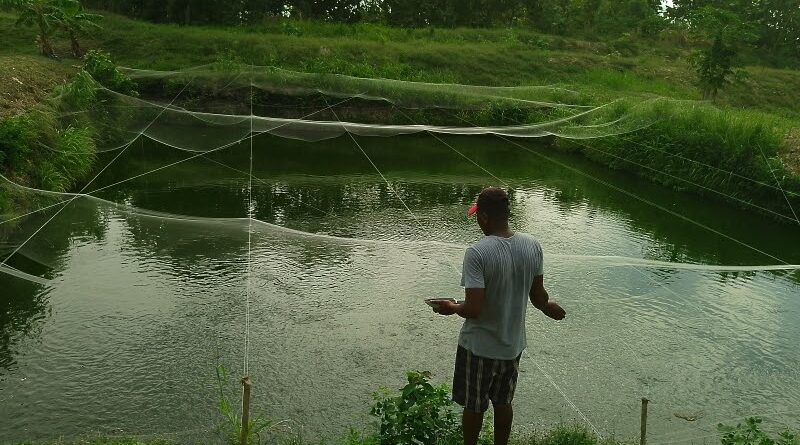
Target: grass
<point>26,80</point>
<point>562,435</point>
<point>38,150</point>
<point>495,57</point>
<point>757,115</point>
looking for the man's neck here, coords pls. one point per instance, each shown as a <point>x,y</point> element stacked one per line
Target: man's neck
<point>502,232</point>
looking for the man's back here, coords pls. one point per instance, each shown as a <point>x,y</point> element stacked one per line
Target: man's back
<point>505,267</point>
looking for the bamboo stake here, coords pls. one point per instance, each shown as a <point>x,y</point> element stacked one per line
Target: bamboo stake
<point>643,438</point>
<point>246,385</point>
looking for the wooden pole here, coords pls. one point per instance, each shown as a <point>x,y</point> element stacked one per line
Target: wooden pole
<point>643,439</point>
<point>246,385</point>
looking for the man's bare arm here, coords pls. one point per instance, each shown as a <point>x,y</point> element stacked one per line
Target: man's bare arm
<point>541,300</point>
<point>471,307</point>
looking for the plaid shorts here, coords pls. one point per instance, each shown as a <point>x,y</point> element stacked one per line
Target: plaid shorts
<point>478,380</point>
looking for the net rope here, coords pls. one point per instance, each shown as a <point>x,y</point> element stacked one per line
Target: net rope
<point>21,245</point>
<point>641,199</point>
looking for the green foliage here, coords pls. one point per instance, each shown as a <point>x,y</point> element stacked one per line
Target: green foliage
<point>750,433</point>
<point>49,16</point>
<point>78,94</point>
<point>17,137</point>
<point>569,436</point>
<point>100,66</point>
<point>228,61</point>
<point>693,143</point>
<point>420,414</point>
<point>45,15</point>
<point>76,22</point>
<point>727,34</point>
<point>714,67</point>
<point>775,24</point>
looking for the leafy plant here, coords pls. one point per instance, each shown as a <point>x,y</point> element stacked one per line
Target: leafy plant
<point>78,94</point>
<point>750,433</point>
<point>76,22</point>
<point>45,15</point>
<point>228,61</point>
<point>420,414</point>
<point>100,66</point>
<point>727,33</point>
<point>17,136</point>
<point>231,426</point>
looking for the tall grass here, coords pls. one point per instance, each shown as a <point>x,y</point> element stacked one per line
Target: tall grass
<point>39,150</point>
<point>733,155</point>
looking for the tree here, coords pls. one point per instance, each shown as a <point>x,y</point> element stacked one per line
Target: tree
<point>75,22</point>
<point>775,23</point>
<point>724,32</point>
<point>43,14</point>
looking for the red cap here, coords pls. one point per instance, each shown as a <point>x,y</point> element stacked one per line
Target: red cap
<point>472,210</point>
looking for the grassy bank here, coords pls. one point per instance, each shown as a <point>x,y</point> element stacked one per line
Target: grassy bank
<point>741,149</point>
<point>420,413</point>
<point>503,57</point>
<point>565,435</point>
<point>39,149</point>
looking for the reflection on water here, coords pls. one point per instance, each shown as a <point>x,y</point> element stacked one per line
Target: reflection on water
<point>148,295</point>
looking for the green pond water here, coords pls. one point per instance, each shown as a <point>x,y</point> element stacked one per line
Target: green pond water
<point>150,287</point>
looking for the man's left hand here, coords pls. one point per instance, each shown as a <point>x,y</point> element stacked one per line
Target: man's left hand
<point>445,308</point>
<point>554,311</point>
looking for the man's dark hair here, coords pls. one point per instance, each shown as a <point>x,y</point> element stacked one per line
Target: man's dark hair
<point>494,202</point>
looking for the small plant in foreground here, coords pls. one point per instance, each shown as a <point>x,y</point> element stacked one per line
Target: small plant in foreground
<point>750,433</point>
<point>420,414</point>
<point>231,427</point>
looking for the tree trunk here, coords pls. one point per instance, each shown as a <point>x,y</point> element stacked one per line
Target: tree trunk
<point>44,43</point>
<point>77,51</point>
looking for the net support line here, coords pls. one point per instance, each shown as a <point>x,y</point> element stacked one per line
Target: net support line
<point>646,201</point>
<point>389,185</point>
<point>766,161</point>
<point>564,395</point>
<point>695,161</point>
<point>696,184</point>
<point>249,244</point>
<point>633,195</point>
<point>131,178</point>
<point>505,184</point>
<point>58,212</point>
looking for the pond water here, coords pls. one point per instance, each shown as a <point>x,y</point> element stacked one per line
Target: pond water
<point>150,290</point>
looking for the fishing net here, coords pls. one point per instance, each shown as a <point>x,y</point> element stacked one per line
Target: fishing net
<point>227,194</point>
<point>316,107</point>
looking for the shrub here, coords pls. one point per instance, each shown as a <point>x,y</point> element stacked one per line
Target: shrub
<point>17,135</point>
<point>750,433</point>
<point>99,65</point>
<point>78,94</point>
<point>420,414</point>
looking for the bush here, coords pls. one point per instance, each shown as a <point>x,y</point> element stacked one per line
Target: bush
<point>17,136</point>
<point>750,433</point>
<point>78,94</point>
<point>99,65</point>
<point>420,414</point>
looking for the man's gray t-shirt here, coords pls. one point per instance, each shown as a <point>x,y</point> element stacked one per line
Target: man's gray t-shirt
<point>505,267</point>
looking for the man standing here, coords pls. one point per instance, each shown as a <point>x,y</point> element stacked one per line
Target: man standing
<point>501,273</point>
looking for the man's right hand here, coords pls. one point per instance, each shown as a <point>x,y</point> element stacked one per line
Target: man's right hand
<point>445,307</point>
<point>554,311</point>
